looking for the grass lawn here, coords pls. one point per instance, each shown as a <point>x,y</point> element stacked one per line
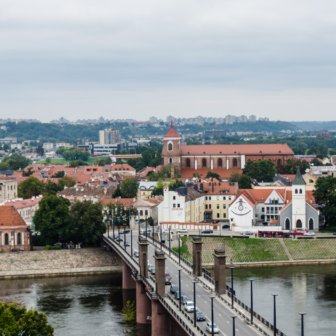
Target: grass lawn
<point>63,161</point>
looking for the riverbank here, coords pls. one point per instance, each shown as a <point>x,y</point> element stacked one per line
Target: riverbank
<point>57,259</point>
<point>264,252</point>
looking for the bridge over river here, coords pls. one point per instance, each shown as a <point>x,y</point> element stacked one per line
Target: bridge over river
<point>154,300</point>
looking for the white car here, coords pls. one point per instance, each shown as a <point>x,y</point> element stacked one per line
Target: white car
<point>182,231</point>
<point>309,234</point>
<point>189,306</point>
<point>209,329</point>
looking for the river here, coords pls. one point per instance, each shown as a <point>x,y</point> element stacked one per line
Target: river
<point>91,305</point>
<point>88,305</point>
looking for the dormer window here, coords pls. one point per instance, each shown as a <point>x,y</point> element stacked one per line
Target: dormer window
<point>170,146</point>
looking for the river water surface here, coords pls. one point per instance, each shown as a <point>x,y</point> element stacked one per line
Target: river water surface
<point>91,305</point>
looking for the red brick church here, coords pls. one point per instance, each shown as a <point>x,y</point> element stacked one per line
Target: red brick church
<point>222,159</point>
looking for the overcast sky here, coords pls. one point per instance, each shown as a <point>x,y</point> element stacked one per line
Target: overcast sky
<point>136,59</point>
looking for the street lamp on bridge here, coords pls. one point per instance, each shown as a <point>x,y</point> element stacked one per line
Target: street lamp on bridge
<point>212,315</point>
<point>233,325</point>
<point>274,313</point>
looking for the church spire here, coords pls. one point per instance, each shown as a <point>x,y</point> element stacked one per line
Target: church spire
<point>298,180</point>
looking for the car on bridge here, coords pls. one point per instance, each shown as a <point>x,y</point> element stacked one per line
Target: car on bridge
<point>200,316</point>
<point>136,254</point>
<point>177,294</point>
<point>153,270</point>
<point>310,233</point>
<point>173,289</point>
<point>189,306</point>
<point>212,327</point>
<point>126,243</point>
<point>207,231</point>
<point>167,279</point>
<point>184,298</point>
<point>118,238</point>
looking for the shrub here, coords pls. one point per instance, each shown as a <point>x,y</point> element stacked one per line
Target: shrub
<point>47,247</point>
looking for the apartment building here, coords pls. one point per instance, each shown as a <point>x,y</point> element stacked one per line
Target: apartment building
<point>109,136</point>
<point>8,188</point>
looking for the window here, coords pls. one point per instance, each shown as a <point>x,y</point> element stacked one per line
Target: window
<point>206,198</point>
<point>19,238</point>
<point>217,198</point>
<point>209,206</point>
<point>224,206</point>
<point>141,213</point>
<point>310,181</point>
<point>188,163</point>
<point>287,224</point>
<point>6,239</point>
<point>209,198</point>
<point>178,205</point>
<point>217,206</point>
<point>262,209</point>
<point>224,198</point>
<point>174,197</point>
<point>217,215</point>
<point>268,218</point>
<point>299,224</point>
<point>170,160</point>
<point>224,215</point>
<point>204,163</point>
<point>296,191</point>
<point>11,187</point>
<point>170,146</point>
<point>143,193</point>
<point>146,212</point>
<point>279,162</point>
<point>206,206</point>
<point>229,198</point>
<point>220,163</point>
<point>311,224</point>
<point>174,205</point>
<point>300,191</point>
<point>235,162</point>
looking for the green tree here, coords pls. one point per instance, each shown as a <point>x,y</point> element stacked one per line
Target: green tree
<point>88,221</point>
<point>51,188</point>
<point>30,187</point>
<point>173,185</point>
<point>73,163</point>
<point>16,161</point>
<point>27,172</point>
<point>244,181</point>
<point>117,213</point>
<point>291,165</point>
<point>129,187</point>
<point>18,321</point>
<point>4,166</point>
<point>53,220</point>
<point>59,174</point>
<point>316,162</point>
<point>48,160</point>
<point>117,192</point>
<point>164,173</point>
<point>65,181</point>
<point>325,195</point>
<point>213,175</point>
<point>40,150</point>
<point>129,312</point>
<point>262,171</point>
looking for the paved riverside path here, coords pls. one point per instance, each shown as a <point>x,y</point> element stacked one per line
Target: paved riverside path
<point>222,313</point>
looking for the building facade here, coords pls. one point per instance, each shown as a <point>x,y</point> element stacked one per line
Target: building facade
<point>8,188</point>
<point>219,157</point>
<point>109,137</point>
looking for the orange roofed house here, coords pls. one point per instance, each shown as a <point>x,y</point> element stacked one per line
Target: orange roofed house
<point>222,159</point>
<point>14,233</point>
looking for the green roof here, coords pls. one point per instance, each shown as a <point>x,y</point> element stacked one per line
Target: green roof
<point>298,179</point>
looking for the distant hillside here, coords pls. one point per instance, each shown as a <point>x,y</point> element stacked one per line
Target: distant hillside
<point>315,125</point>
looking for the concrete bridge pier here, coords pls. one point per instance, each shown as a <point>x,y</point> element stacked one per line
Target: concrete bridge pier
<point>127,280</point>
<point>160,280</point>
<point>143,256</point>
<point>143,303</point>
<point>220,271</point>
<point>163,324</point>
<point>197,255</point>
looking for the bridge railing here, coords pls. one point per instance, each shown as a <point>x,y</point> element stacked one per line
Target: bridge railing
<point>207,276</point>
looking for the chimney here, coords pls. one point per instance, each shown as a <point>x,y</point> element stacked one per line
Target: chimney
<point>172,172</point>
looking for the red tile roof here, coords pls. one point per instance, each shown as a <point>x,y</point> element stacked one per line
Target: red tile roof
<point>172,133</point>
<point>223,188</point>
<point>10,217</point>
<point>121,167</point>
<point>124,201</point>
<point>249,149</point>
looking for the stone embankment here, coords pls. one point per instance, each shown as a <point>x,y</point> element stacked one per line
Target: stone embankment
<point>58,263</point>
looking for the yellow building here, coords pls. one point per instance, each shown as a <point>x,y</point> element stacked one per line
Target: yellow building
<point>310,179</point>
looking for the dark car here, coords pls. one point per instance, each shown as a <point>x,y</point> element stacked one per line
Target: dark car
<point>119,238</point>
<point>225,226</point>
<point>17,250</point>
<point>177,294</point>
<point>127,231</point>
<point>200,316</point>
<point>184,298</point>
<point>334,233</point>
<point>173,289</point>
<point>207,231</point>
<point>167,279</point>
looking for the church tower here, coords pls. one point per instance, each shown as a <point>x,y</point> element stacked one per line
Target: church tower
<point>299,201</point>
<point>171,152</point>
